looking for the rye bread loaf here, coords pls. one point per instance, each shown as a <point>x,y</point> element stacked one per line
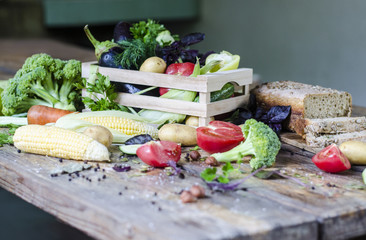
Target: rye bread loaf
<point>336,125</point>
<point>327,139</point>
<point>306,101</point>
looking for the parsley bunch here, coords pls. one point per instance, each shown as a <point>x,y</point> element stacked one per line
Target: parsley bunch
<point>102,94</point>
<point>147,30</point>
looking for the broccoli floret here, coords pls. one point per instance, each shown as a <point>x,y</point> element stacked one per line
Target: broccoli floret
<point>260,141</point>
<point>43,80</point>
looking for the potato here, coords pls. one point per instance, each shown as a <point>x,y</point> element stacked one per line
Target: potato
<point>179,133</point>
<point>355,151</point>
<point>193,121</point>
<point>100,134</point>
<point>153,64</point>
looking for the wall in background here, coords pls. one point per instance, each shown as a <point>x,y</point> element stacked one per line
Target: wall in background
<point>319,42</point>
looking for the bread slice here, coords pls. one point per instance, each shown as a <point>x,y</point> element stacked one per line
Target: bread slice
<point>306,101</point>
<point>327,139</point>
<point>336,125</point>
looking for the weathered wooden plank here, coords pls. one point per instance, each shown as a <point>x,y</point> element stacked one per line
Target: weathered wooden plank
<point>97,208</point>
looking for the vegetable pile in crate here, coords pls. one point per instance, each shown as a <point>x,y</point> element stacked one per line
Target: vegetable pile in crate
<point>203,84</point>
<point>145,57</point>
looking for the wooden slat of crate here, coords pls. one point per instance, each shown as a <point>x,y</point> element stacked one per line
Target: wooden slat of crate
<point>183,107</point>
<point>202,83</point>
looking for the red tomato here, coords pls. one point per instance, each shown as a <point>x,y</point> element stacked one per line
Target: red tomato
<point>181,69</point>
<point>219,136</point>
<point>163,90</point>
<point>331,159</point>
<point>158,153</point>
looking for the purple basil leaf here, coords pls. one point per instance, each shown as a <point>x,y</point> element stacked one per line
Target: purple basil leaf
<point>173,164</point>
<point>276,127</point>
<point>192,38</point>
<point>278,114</point>
<point>189,55</point>
<point>232,185</point>
<point>260,114</point>
<point>298,181</point>
<point>121,168</point>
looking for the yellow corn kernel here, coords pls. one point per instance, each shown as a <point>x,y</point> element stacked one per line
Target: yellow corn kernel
<point>123,125</point>
<point>59,142</point>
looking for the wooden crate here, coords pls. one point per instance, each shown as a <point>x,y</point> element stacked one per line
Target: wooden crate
<point>203,84</point>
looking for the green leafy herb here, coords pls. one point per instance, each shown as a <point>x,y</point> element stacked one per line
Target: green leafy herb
<point>228,173</point>
<point>195,148</point>
<point>6,136</point>
<point>147,30</point>
<point>135,52</point>
<point>102,94</point>
<point>209,174</point>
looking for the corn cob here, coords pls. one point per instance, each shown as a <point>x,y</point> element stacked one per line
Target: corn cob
<point>58,142</point>
<point>123,125</point>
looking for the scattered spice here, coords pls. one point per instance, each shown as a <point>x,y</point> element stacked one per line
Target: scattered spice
<point>121,168</point>
<point>211,161</point>
<point>187,197</point>
<point>197,191</point>
<point>331,185</point>
<point>194,155</point>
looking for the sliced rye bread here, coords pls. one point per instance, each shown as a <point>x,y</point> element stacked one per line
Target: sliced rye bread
<point>327,139</point>
<point>319,126</point>
<point>306,101</point>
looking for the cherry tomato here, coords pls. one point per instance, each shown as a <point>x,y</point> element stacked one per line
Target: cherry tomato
<point>331,159</point>
<point>219,136</point>
<point>159,153</point>
<point>180,69</point>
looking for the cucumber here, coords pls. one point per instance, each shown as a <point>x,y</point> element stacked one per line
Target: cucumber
<point>129,149</point>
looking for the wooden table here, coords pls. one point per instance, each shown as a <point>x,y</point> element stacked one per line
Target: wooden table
<point>106,204</point>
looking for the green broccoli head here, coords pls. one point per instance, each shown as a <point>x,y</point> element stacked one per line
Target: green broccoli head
<point>261,142</point>
<point>43,80</point>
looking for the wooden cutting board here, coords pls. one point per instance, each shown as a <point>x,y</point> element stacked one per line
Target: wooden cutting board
<point>297,141</point>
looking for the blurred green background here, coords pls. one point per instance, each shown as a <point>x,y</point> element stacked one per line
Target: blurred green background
<point>320,42</point>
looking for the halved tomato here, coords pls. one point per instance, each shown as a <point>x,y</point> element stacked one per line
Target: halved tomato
<point>159,153</point>
<point>331,159</point>
<point>219,136</point>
